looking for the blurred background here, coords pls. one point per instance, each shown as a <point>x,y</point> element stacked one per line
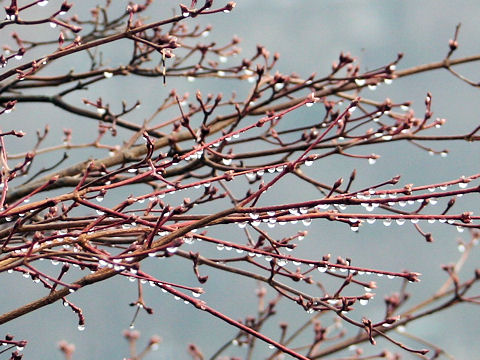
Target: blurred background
<point>309,35</point>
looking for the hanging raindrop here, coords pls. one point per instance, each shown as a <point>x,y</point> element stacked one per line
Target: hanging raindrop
<point>307,222</point>
<point>282,262</point>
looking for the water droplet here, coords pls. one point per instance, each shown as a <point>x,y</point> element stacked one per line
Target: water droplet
<point>443,154</point>
<point>372,160</point>
<point>242,225</point>
<point>462,185</point>
<point>400,221</point>
<point>172,250</point>
<point>309,104</point>
<point>256,222</point>
<point>307,222</point>
<point>42,3</point>
<point>308,163</point>
<point>279,86</point>
<point>223,59</point>
<point>282,262</point>
<point>414,221</point>
<point>461,248</point>
<point>188,240</point>
<point>391,277</point>
<point>221,73</point>
<point>220,247</point>
<point>253,216</point>
<point>431,221</point>
<point>387,222</point>
<point>360,82</point>
<point>460,229</point>
<point>226,161</point>
<point>388,81</point>
<point>322,269</point>
<point>260,172</point>
<point>107,74</point>
<point>100,212</point>
<point>53,25</point>
<point>387,137</point>
<point>363,302</point>
<point>81,327</point>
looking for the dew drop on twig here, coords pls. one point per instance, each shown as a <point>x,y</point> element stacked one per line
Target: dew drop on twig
<point>282,262</point>
<point>307,222</point>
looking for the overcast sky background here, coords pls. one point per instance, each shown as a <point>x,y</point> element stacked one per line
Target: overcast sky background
<point>309,35</point>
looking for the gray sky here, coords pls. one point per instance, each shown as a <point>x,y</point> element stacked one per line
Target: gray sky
<point>309,35</point>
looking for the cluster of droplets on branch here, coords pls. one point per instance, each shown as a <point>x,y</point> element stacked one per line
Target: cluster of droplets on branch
<point>170,229</point>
